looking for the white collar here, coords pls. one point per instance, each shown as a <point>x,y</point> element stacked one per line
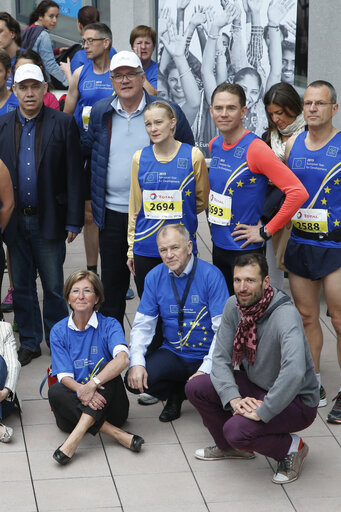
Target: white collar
<point>116,104</point>
<point>93,322</point>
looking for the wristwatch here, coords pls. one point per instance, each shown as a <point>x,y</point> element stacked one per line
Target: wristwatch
<point>96,381</point>
<point>264,234</point>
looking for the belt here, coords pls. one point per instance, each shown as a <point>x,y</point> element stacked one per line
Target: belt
<point>332,236</point>
<point>29,211</point>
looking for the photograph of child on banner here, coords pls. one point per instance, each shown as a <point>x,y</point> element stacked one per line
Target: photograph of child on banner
<point>247,42</point>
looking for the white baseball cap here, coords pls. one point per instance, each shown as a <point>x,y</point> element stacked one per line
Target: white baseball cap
<point>125,58</point>
<point>28,72</point>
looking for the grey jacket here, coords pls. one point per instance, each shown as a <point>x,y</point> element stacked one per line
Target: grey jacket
<point>283,367</point>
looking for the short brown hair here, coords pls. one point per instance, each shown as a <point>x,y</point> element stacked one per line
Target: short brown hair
<point>235,89</point>
<point>12,25</point>
<point>88,14</point>
<point>78,275</point>
<point>142,31</point>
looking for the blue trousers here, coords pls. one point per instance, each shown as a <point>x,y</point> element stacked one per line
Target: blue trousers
<point>5,406</point>
<point>167,373</point>
<point>31,252</point>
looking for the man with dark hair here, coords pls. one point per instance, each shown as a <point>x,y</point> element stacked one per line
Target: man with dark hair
<point>240,169</point>
<point>116,132</point>
<point>10,38</point>
<point>313,255</point>
<point>188,294</point>
<point>86,15</point>
<point>40,146</point>
<point>273,392</point>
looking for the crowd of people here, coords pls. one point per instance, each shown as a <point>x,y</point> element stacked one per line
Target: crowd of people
<point>122,162</point>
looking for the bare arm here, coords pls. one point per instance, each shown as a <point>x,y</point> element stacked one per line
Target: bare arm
<point>6,196</point>
<point>73,93</point>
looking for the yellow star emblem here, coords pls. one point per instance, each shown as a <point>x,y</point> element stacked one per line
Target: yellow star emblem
<point>204,339</point>
<point>240,183</point>
<point>188,193</point>
<point>231,191</point>
<point>337,182</point>
<point>200,344</point>
<point>185,325</point>
<point>324,201</point>
<point>327,190</point>
<point>181,223</point>
<point>253,180</point>
<point>336,223</point>
<point>237,223</point>
<point>193,346</point>
<point>203,328</point>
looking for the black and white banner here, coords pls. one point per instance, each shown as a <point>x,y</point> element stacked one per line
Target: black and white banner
<point>205,43</point>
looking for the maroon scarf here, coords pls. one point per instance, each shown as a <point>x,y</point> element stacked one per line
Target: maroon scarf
<point>245,340</point>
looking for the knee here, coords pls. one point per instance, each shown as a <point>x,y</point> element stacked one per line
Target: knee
<point>196,388</point>
<point>234,433</point>
<point>54,394</point>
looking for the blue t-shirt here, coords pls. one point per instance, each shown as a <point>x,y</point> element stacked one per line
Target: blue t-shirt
<point>11,104</point>
<point>92,87</point>
<point>151,73</point>
<point>206,299</point>
<point>320,173</point>
<point>161,176</point>
<point>80,58</point>
<point>229,175</point>
<point>83,352</point>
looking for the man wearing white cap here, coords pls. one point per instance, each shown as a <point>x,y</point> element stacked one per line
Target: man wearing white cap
<point>116,131</point>
<point>41,149</point>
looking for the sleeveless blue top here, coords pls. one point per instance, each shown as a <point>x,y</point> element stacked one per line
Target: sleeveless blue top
<point>229,175</point>
<point>177,174</point>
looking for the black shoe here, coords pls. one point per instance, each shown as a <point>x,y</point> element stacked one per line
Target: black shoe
<point>60,457</point>
<point>25,356</point>
<point>136,443</point>
<point>172,409</point>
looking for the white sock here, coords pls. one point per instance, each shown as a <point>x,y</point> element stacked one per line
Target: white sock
<point>294,443</point>
<point>318,376</point>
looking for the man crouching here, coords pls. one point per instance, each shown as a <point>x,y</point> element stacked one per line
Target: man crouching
<point>274,391</point>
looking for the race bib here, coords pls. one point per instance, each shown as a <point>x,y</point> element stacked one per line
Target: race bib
<point>86,117</point>
<point>162,204</point>
<point>219,209</point>
<point>311,221</point>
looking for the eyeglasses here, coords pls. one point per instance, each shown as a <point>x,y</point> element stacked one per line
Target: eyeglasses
<point>77,291</point>
<point>318,104</point>
<point>91,40</point>
<point>131,76</point>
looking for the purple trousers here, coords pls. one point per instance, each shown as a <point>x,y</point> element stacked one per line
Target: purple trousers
<point>271,439</point>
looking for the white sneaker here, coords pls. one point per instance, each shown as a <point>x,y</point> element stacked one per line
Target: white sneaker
<point>145,399</point>
<point>215,453</point>
<point>7,434</point>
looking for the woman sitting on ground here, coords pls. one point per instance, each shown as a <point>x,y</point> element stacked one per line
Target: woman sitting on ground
<point>89,353</point>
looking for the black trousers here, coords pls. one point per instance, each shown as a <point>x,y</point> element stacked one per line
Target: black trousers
<point>67,408</point>
<point>224,260</point>
<point>167,373</point>
<point>115,274</point>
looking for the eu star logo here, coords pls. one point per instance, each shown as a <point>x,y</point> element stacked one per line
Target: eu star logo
<point>332,151</point>
<point>182,163</point>
<point>299,163</point>
<point>238,152</point>
<point>215,162</point>
<point>151,177</point>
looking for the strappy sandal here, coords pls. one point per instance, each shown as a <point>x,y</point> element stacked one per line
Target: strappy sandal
<point>7,435</point>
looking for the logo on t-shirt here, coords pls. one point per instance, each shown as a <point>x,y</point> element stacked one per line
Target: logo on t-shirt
<point>151,177</point>
<point>182,163</point>
<point>88,84</point>
<point>332,151</point>
<point>195,299</point>
<point>215,161</point>
<point>299,163</point>
<point>238,152</point>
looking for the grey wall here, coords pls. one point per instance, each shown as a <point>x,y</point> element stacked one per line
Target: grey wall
<point>324,42</point>
<point>125,15</point>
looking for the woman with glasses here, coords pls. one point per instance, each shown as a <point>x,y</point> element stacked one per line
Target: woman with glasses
<point>89,352</point>
<point>36,37</point>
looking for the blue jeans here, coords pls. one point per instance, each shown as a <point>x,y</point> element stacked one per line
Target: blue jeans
<point>31,252</point>
<point>5,406</point>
